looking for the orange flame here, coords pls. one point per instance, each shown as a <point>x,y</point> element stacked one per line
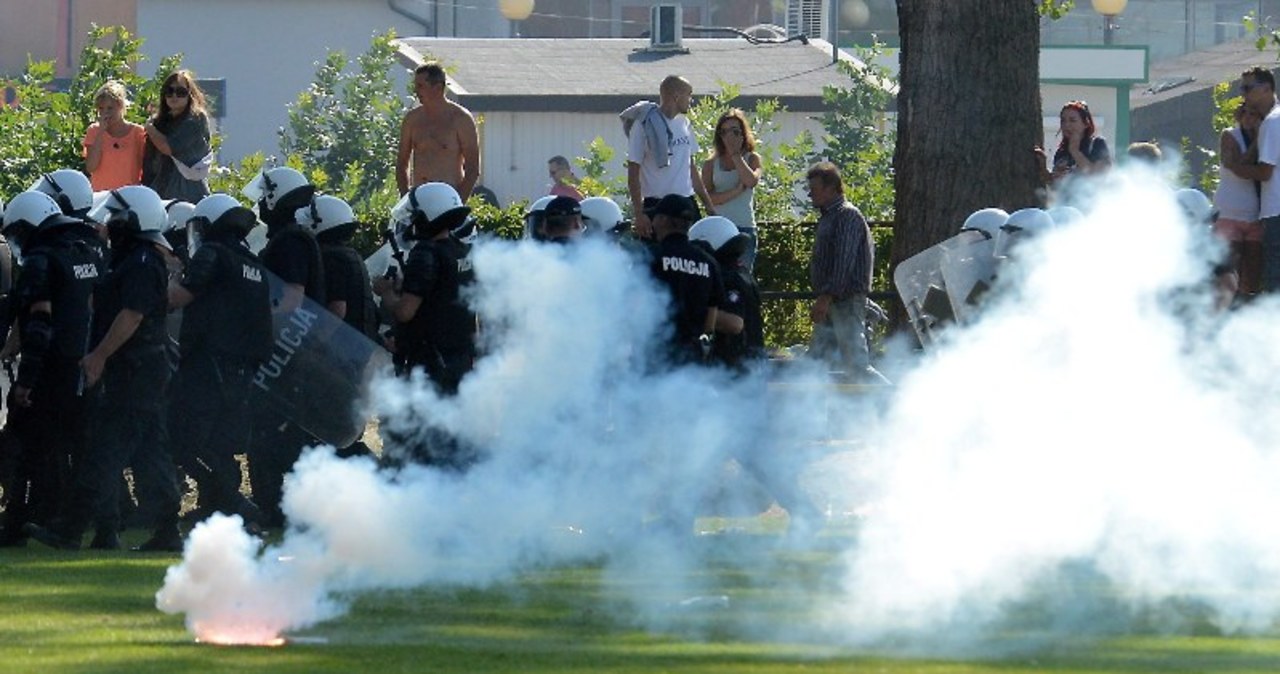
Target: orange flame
<point>238,635</point>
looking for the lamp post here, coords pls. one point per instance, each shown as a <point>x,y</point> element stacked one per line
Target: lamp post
<point>515,11</point>
<point>1109,9</point>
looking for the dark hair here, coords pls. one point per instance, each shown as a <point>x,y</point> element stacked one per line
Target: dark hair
<point>826,173</point>
<point>1260,74</point>
<point>560,161</point>
<point>433,70</point>
<point>748,140</point>
<point>195,99</point>
<point>1082,109</point>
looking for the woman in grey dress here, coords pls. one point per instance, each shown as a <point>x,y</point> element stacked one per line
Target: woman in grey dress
<point>178,134</point>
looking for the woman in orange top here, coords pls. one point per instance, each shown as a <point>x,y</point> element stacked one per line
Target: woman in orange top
<point>113,146</point>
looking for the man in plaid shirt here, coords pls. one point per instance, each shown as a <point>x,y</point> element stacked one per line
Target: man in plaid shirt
<point>840,271</point>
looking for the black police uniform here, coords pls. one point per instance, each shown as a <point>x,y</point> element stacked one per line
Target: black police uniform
<point>226,334</point>
<point>439,339</point>
<point>693,278</point>
<point>741,298</point>
<point>126,408</point>
<point>62,267</point>
<point>441,336</point>
<point>293,255</point>
<point>347,280</point>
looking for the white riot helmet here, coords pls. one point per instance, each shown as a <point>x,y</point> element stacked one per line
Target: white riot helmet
<point>1197,207</point>
<point>602,214</point>
<point>133,211</point>
<point>987,220</point>
<point>1022,224</point>
<point>720,233</point>
<point>429,209</point>
<point>28,212</point>
<point>325,213</point>
<point>69,188</point>
<point>279,192</point>
<point>1028,221</point>
<point>175,231</point>
<point>533,218</point>
<point>1065,215</point>
<point>218,215</point>
<point>179,212</point>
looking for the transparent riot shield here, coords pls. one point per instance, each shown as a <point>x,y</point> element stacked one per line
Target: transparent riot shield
<point>320,369</point>
<point>924,294</point>
<point>969,268</point>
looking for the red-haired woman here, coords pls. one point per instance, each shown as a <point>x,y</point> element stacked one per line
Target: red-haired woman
<point>1081,152</point>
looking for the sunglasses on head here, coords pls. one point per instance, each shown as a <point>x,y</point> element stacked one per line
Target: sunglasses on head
<point>179,92</point>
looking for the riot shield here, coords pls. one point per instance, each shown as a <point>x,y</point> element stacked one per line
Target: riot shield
<point>320,369</point>
<point>923,291</point>
<point>379,261</point>
<point>968,269</point>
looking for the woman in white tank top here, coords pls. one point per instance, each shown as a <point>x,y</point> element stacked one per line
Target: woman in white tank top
<point>1237,202</point>
<point>731,175</point>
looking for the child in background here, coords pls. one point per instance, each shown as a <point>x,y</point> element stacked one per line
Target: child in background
<point>113,146</point>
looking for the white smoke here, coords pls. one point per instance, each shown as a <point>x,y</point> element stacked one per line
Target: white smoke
<point>1096,437</point>
<point>1094,446</point>
<point>587,452</point>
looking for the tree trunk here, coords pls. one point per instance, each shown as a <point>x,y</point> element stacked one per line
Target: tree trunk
<point>968,115</point>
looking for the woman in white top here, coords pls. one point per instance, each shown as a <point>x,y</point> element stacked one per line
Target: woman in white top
<point>1237,202</point>
<point>731,175</point>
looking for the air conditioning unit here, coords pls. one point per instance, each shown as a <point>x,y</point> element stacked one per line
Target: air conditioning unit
<point>808,17</point>
<point>666,26</point>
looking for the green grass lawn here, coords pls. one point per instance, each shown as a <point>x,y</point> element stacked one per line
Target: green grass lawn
<point>95,612</point>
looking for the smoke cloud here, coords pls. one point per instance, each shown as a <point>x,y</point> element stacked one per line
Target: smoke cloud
<point>1094,447</point>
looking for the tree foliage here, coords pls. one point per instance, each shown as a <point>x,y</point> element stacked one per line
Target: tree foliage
<point>44,130</point>
<point>346,124</point>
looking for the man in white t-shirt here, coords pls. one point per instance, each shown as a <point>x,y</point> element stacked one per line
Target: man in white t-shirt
<point>651,177</point>
<point>1258,85</point>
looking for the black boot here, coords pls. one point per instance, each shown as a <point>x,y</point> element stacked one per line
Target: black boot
<point>164,539</point>
<point>106,538</point>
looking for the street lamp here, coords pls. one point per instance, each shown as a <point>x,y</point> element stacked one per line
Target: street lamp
<point>515,11</point>
<point>1109,9</point>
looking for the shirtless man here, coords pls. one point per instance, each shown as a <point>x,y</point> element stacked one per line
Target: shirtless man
<point>440,135</point>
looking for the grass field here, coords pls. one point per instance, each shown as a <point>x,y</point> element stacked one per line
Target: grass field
<point>94,612</point>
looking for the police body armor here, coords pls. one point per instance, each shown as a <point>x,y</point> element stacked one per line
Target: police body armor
<point>362,313</point>
<point>64,269</point>
<point>234,320</point>
<point>293,236</point>
<point>441,335</point>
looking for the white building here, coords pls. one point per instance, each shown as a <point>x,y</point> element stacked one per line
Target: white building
<point>267,50</point>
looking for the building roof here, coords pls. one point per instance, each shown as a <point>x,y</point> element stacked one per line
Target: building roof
<point>599,75</point>
<point>1199,70</point>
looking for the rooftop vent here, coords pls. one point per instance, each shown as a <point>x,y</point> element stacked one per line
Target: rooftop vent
<point>666,27</point>
<point>807,17</point>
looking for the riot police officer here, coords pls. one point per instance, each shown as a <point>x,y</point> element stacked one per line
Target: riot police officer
<point>126,373</point>
<point>692,277</point>
<point>739,336</point>
<point>226,335</point>
<point>435,329</point>
<point>52,307</point>
<point>293,255</point>
<point>347,286</point>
